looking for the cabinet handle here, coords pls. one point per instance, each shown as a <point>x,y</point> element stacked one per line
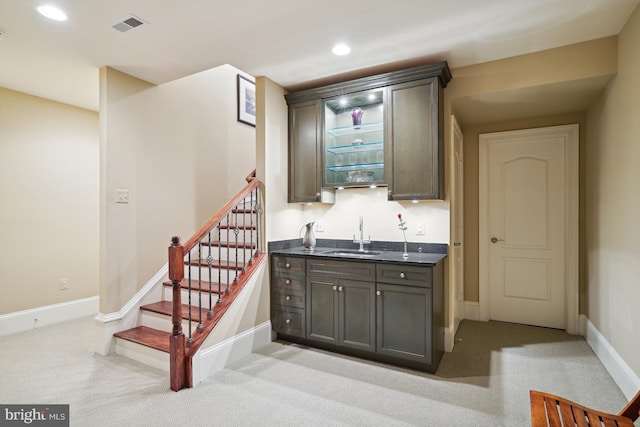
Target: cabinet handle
<point>340,288</point>
<point>287,321</point>
<point>335,288</point>
<point>288,298</point>
<point>379,293</point>
<point>402,275</point>
<point>287,282</point>
<point>287,265</point>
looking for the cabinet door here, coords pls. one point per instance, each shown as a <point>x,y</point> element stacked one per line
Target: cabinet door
<point>415,140</point>
<point>404,322</point>
<point>322,309</point>
<point>305,170</point>
<point>357,307</point>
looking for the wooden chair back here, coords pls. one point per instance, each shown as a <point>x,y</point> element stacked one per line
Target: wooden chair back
<point>548,410</point>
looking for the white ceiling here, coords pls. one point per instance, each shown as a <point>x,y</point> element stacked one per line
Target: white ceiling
<point>288,41</point>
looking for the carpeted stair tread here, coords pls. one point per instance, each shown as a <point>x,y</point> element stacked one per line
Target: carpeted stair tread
<point>147,336</point>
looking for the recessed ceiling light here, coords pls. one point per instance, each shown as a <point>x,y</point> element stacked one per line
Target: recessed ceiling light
<point>52,12</point>
<point>341,49</point>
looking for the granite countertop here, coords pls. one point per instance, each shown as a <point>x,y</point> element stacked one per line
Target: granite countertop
<point>381,252</point>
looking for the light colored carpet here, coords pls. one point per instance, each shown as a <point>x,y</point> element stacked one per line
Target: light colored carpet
<point>485,381</point>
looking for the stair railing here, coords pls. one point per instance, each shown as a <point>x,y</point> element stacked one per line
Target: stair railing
<point>237,221</point>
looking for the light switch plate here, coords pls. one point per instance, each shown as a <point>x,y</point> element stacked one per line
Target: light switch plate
<point>420,229</point>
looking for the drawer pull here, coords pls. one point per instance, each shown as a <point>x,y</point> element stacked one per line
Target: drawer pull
<point>335,288</point>
<point>287,265</point>
<point>379,293</point>
<point>288,321</point>
<point>287,282</point>
<point>288,298</point>
<point>402,275</point>
<point>340,288</point>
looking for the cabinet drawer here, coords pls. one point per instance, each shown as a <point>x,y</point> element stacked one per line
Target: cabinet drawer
<point>363,271</point>
<point>287,297</point>
<point>288,264</point>
<point>288,321</point>
<point>288,283</point>
<point>405,275</point>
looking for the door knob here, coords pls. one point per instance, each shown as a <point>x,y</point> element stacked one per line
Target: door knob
<point>496,240</point>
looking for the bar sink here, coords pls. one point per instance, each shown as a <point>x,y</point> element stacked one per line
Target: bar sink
<point>352,253</point>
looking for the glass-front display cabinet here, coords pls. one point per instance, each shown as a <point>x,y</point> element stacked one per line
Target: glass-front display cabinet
<point>354,139</point>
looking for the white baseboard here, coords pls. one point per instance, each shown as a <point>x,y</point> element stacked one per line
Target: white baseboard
<point>449,338</point>
<point>25,320</point>
<point>472,310</point>
<point>127,317</point>
<point>621,373</point>
<point>216,358</point>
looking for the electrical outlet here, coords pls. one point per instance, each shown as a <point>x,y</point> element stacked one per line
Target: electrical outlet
<point>319,227</point>
<point>420,229</point>
<point>122,196</point>
<point>64,284</point>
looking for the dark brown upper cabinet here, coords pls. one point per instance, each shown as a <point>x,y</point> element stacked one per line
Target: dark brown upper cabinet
<point>385,129</point>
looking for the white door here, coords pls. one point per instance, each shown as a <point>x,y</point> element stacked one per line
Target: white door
<point>456,295</point>
<point>528,230</point>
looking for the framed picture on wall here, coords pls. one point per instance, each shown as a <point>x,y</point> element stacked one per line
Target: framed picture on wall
<point>246,101</point>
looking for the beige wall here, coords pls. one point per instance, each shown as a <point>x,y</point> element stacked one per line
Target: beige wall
<point>281,218</point>
<point>612,202</point>
<point>180,151</point>
<point>49,209</point>
<point>499,92</point>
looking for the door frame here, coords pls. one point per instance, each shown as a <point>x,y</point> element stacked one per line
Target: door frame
<point>456,269</point>
<point>571,136</point>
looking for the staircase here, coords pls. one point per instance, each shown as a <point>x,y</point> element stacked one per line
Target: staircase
<point>206,274</point>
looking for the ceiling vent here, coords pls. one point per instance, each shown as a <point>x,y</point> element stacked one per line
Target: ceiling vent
<point>128,23</point>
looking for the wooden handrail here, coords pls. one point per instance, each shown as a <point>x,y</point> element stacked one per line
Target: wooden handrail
<point>181,350</point>
<point>215,220</point>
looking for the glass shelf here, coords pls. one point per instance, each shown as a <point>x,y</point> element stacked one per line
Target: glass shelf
<point>370,146</point>
<point>357,167</point>
<point>355,130</point>
<point>353,154</point>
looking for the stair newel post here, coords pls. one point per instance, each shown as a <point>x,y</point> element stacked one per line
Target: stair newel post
<point>177,339</point>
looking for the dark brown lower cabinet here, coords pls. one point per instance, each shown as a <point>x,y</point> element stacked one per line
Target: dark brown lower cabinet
<point>390,312</point>
<point>404,322</point>
<point>341,312</point>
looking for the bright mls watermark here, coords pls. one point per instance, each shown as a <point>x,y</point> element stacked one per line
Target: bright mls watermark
<point>34,415</point>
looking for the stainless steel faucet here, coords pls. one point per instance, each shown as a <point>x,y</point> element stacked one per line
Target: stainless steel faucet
<point>362,240</point>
